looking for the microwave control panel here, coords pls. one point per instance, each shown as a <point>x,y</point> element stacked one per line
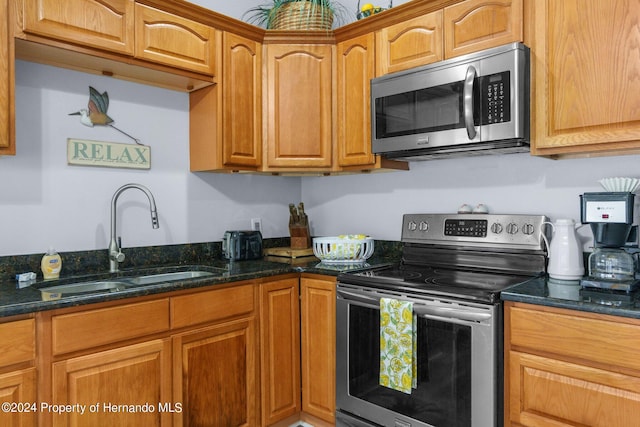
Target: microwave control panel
<point>495,98</point>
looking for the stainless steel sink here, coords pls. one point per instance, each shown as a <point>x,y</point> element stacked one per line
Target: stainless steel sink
<point>102,286</point>
<point>168,277</point>
<point>120,284</point>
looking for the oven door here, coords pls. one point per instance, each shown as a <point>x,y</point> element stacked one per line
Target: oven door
<point>459,369</point>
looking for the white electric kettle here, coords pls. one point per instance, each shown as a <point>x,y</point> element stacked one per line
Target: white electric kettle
<point>565,251</point>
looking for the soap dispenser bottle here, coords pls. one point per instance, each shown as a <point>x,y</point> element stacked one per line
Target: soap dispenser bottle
<point>51,264</point>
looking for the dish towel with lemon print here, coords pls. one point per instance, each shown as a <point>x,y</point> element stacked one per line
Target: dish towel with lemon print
<point>397,345</point>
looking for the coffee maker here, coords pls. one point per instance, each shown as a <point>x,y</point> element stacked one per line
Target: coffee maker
<point>611,265</point>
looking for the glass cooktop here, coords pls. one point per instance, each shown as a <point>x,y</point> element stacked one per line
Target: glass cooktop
<point>456,283</point>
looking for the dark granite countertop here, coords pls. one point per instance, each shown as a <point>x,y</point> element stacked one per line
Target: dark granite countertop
<point>29,299</point>
<point>565,294</point>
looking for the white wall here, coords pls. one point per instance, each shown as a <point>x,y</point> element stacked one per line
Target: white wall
<point>237,8</point>
<point>513,183</point>
<point>44,201</point>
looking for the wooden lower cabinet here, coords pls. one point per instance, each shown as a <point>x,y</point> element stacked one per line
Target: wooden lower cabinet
<point>17,373</point>
<point>189,359</point>
<point>215,375</point>
<point>258,353</point>
<point>17,388</point>
<point>570,368</point>
<point>280,355</point>
<point>116,381</point>
<point>318,331</point>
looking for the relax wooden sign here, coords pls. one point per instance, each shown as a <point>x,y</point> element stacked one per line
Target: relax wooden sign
<point>108,154</point>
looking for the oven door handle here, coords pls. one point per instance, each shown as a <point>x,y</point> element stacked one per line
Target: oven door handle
<point>450,313</point>
<point>422,310</point>
<point>358,297</point>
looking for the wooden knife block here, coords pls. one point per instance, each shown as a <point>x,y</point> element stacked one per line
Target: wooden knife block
<point>300,237</point>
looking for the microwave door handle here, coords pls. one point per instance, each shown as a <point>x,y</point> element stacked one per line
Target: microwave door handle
<point>467,101</point>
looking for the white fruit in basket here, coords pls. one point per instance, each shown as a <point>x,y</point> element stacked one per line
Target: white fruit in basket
<point>620,184</point>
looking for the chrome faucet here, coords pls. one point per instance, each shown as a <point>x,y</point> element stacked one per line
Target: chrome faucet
<point>115,251</point>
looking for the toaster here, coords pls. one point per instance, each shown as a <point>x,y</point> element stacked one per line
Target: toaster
<point>242,245</point>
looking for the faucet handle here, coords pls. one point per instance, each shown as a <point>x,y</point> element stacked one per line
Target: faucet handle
<point>119,256</point>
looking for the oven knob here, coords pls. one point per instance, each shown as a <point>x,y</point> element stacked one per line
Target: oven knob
<point>496,228</point>
<point>528,229</point>
<point>512,228</point>
<point>412,226</point>
<point>424,226</point>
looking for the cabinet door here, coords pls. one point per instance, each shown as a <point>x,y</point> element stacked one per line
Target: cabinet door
<point>280,342</point>
<point>215,376</point>
<point>356,67</point>
<point>172,40</point>
<point>585,69</point>
<point>18,387</point>
<point>138,374</point>
<point>548,392</point>
<point>241,102</point>
<point>299,93</point>
<point>473,25</point>
<point>318,307</point>
<point>415,42</point>
<point>7,111</point>
<point>18,346</point>
<point>105,24</point>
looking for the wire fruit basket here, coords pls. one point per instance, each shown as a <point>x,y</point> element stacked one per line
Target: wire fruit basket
<point>343,249</point>
<point>368,9</point>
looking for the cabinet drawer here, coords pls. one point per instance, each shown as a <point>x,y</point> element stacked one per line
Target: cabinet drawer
<point>575,336</point>
<point>210,306</point>
<point>548,392</point>
<point>17,342</point>
<point>86,329</point>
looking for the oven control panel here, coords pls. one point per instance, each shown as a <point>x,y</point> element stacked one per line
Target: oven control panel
<point>491,230</point>
<point>465,227</point>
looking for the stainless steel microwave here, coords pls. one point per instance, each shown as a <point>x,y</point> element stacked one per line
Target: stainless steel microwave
<point>468,105</point>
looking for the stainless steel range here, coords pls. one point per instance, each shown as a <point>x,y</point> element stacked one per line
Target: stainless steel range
<point>452,271</point>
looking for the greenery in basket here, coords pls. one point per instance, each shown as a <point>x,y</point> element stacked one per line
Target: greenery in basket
<point>309,14</point>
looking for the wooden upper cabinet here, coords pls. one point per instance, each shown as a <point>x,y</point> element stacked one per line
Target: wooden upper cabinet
<point>409,44</point>
<point>241,108</point>
<point>172,40</point>
<point>356,67</point>
<point>474,25</point>
<point>299,96</point>
<point>7,110</point>
<point>585,70</point>
<point>104,24</point>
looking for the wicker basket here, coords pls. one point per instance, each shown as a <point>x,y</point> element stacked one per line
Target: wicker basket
<point>302,15</point>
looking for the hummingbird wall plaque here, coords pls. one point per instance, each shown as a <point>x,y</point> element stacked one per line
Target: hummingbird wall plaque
<point>96,112</point>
